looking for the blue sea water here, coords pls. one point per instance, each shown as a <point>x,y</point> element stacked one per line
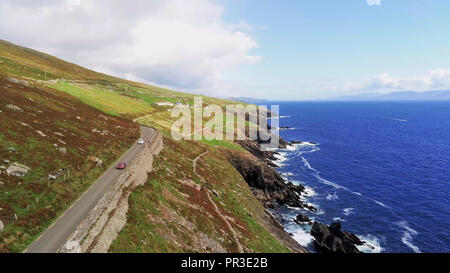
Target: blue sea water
<point>381,168</point>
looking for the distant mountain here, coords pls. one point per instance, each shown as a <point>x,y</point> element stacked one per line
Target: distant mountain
<point>249,100</point>
<point>398,96</point>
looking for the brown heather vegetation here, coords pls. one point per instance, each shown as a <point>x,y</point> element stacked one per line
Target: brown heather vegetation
<point>180,209</point>
<point>173,213</point>
<point>50,120</point>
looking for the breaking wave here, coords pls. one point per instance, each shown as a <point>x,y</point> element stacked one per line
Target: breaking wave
<point>372,244</point>
<point>332,197</point>
<point>407,236</point>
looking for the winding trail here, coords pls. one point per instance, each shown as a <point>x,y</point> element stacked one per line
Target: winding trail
<point>138,118</point>
<point>216,208</point>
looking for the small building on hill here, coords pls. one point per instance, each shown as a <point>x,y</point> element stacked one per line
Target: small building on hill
<point>163,104</point>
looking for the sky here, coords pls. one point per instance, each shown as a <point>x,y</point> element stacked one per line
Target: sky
<point>279,50</point>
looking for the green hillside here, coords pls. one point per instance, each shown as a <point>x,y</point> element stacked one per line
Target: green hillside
<point>51,133</point>
<point>68,115</point>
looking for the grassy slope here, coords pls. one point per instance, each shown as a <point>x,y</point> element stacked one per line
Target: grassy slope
<point>147,229</point>
<point>63,121</point>
<point>168,214</point>
<point>28,63</point>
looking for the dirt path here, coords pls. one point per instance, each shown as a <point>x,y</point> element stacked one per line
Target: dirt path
<point>136,119</point>
<point>216,208</point>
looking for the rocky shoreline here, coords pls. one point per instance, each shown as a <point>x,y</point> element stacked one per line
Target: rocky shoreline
<point>273,191</point>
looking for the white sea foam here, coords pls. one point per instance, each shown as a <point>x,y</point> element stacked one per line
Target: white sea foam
<point>401,120</point>
<point>380,203</point>
<point>334,185</point>
<point>332,197</point>
<point>348,211</point>
<point>329,183</point>
<point>301,234</point>
<point>407,236</point>
<point>309,144</point>
<point>307,165</point>
<point>293,208</point>
<point>319,211</point>
<point>372,244</point>
<point>309,192</point>
<point>281,157</point>
<point>292,147</point>
<point>303,209</point>
<point>323,180</point>
<point>396,119</point>
<point>300,152</point>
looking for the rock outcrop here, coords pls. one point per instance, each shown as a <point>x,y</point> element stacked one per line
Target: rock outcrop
<point>302,219</point>
<point>332,239</point>
<point>265,182</point>
<point>16,169</point>
<point>268,186</point>
<point>14,108</point>
<point>272,190</point>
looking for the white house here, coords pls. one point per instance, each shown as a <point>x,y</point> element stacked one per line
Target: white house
<point>163,103</point>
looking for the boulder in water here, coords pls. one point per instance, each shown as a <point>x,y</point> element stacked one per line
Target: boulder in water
<point>332,239</point>
<point>302,219</point>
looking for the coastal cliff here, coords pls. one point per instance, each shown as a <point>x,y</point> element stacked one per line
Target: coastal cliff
<point>271,189</point>
<point>266,183</point>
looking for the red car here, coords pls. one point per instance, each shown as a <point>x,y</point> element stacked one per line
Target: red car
<point>121,165</point>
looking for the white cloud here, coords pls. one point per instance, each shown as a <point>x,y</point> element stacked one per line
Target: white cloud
<point>178,43</point>
<point>438,79</point>
<point>373,2</point>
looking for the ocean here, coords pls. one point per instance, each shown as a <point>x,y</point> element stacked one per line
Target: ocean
<point>380,168</point>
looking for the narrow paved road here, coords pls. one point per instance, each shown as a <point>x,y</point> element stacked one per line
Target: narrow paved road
<point>55,236</point>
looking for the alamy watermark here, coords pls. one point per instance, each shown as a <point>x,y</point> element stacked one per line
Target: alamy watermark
<point>229,122</point>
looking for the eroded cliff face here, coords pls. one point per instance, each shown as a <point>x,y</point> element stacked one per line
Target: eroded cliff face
<point>266,183</point>
<point>273,191</point>
<point>196,201</point>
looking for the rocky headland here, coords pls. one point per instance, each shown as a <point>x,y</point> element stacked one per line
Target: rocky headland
<point>273,191</point>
